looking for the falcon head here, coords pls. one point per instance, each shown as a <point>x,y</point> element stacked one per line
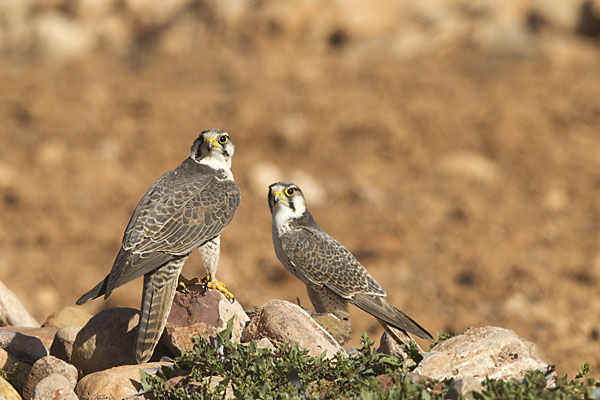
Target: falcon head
<point>213,148</point>
<point>288,205</point>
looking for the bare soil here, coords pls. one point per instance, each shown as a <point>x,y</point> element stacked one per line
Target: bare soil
<point>466,182</point>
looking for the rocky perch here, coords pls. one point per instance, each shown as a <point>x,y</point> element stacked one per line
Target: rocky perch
<point>78,356</point>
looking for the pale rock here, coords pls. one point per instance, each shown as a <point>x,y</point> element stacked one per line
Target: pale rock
<point>194,314</point>
<point>45,367</point>
<point>12,311</point>
<point>284,322</point>
<point>263,343</point>
<point>18,370</point>
<point>470,165</point>
<point>68,316</point>
<point>115,383</point>
<point>462,387</point>
<point>27,344</point>
<point>62,345</point>
<point>106,341</point>
<point>492,352</point>
<point>7,392</point>
<point>55,387</point>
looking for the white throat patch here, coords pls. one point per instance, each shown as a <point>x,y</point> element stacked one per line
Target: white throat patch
<point>217,161</point>
<point>283,216</point>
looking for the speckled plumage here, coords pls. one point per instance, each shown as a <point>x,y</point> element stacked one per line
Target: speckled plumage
<point>184,209</point>
<point>332,275</point>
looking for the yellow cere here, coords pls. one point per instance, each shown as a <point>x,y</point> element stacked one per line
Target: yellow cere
<point>279,194</point>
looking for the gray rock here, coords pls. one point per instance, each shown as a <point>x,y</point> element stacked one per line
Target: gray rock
<point>24,347</point>
<point>193,314</point>
<point>106,341</point>
<point>497,353</point>
<point>46,367</point>
<point>62,345</point>
<point>55,387</point>
<point>12,311</point>
<point>284,322</point>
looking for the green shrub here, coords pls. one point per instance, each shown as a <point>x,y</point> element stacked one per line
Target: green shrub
<point>216,364</point>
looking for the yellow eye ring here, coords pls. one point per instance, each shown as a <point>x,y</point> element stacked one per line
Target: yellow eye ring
<point>289,192</point>
<point>223,139</point>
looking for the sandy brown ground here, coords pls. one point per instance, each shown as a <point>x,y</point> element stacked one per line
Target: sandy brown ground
<point>466,182</point>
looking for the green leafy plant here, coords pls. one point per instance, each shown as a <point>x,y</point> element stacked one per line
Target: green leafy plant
<point>535,385</point>
<point>216,368</point>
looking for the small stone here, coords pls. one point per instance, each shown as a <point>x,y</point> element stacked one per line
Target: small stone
<point>114,383</point>
<point>68,316</point>
<point>62,345</point>
<point>338,329</point>
<point>193,314</point>
<point>17,370</point>
<point>106,341</point>
<point>55,387</point>
<point>263,343</point>
<point>27,344</point>
<point>7,392</point>
<point>12,311</point>
<point>284,322</point>
<point>45,367</point>
<point>492,352</point>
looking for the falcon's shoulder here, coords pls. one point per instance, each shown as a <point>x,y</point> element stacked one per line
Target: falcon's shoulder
<point>183,209</point>
<point>323,261</point>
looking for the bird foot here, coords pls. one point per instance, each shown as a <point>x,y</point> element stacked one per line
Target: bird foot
<point>216,284</point>
<point>183,283</point>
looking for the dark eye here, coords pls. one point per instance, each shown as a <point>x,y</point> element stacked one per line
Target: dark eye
<point>223,139</point>
<point>289,192</point>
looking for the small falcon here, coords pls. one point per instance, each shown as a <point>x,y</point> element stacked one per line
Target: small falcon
<point>332,275</point>
<point>186,209</point>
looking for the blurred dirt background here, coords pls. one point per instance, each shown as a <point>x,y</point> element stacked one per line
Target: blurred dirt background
<point>453,146</point>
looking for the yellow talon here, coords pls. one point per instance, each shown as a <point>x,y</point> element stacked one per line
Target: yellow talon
<point>218,285</point>
<point>207,283</point>
<point>183,283</point>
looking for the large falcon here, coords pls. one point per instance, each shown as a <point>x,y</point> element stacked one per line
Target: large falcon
<point>332,275</point>
<point>186,209</point>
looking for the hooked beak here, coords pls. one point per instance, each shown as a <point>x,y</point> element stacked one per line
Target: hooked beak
<point>278,196</point>
<point>212,143</point>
